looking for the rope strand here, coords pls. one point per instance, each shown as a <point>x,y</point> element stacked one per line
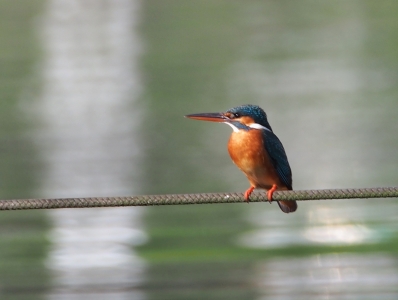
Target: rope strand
<point>208,198</point>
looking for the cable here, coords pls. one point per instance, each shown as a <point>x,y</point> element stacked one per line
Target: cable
<point>175,199</point>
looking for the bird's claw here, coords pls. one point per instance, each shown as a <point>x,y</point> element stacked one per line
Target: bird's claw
<point>248,192</point>
<point>270,192</point>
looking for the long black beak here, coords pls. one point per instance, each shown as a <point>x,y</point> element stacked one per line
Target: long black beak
<point>212,117</point>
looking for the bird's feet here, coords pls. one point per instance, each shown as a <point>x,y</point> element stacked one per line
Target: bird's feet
<point>270,192</point>
<point>248,192</point>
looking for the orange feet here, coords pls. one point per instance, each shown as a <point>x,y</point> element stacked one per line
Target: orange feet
<point>248,192</point>
<point>270,192</point>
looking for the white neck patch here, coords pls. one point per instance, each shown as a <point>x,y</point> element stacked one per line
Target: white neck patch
<point>234,128</point>
<point>253,125</point>
<point>258,126</point>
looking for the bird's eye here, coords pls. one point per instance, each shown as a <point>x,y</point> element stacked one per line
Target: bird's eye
<point>236,115</point>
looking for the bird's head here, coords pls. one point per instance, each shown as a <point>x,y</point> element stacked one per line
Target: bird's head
<point>239,117</point>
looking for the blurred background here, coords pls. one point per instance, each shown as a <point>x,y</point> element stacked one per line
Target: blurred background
<point>92,96</point>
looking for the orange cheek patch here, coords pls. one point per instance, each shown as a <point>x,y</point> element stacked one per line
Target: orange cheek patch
<point>246,120</point>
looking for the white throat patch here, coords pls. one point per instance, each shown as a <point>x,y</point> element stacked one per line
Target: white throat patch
<point>253,125</point>
<point>234,128</point>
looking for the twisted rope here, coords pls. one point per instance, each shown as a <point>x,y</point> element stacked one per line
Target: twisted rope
<point>174,199</point>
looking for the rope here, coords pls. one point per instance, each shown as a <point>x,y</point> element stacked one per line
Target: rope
<point>148,200</point>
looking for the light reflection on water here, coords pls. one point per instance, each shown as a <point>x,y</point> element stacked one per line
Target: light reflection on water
<point>334,224</point>
<point>90,145</point>
<point>329,276</point>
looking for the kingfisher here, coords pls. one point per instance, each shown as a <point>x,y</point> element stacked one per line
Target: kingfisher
<point>256,150</point>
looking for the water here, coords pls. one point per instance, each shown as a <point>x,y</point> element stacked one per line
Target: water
<point>91,145</point>
<point>329,276</point>
<point>330,102</point>
<point>95,108</point>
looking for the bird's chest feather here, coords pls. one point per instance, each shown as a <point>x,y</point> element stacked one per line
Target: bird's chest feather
<point>247,151</point>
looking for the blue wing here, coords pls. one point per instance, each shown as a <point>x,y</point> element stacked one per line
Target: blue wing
<point>278,157</point>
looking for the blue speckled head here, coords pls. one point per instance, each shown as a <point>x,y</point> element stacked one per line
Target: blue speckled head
<point>254,111</point>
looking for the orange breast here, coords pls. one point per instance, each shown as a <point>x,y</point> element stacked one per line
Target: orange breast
<point>247,151</point>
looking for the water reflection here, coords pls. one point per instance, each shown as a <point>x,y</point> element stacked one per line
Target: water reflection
<point>330,276</point>
<point>329,224</point>
<point>90,145</point>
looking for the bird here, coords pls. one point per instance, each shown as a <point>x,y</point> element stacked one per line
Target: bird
<point>255,150</point>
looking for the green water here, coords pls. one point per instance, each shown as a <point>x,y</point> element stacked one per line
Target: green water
<point>325,72</point>
<point>22,240</point>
